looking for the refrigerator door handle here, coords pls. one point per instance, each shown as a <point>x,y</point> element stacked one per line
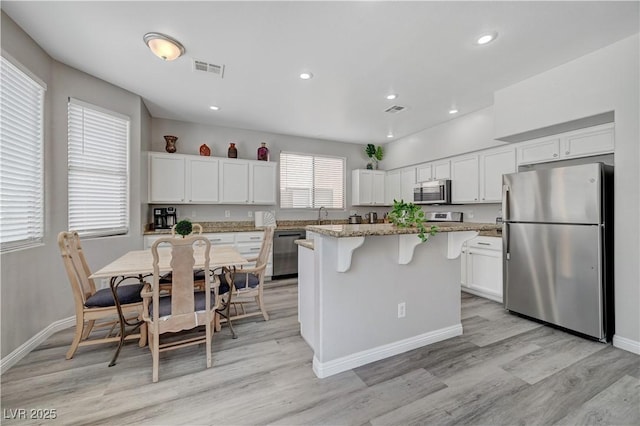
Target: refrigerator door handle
<point>505,202</point>
<point>505,239</point>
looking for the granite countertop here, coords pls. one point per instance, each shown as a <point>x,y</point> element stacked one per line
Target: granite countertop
<point>248,226</point>
<point>345,230</point>
<point>305,243</point>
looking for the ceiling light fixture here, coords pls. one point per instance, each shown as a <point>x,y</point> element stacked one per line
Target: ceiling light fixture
<point>392,96</point>
<point>214,107</point>
<point>487,38</point>
<point>306,76</point>
<point>163,46</point>
<point>389,135</point>
<point>453,111</point>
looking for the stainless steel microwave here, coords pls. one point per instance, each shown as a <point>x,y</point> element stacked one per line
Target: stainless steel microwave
<point>433,192</point>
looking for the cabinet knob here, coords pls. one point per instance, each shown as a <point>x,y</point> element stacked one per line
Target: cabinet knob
<point>475,199</point>
<point>483,198</point>
<point>555,155</point>
<point>567,152</point>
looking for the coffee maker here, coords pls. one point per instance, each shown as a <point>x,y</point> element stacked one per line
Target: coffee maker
<point>164,217</point>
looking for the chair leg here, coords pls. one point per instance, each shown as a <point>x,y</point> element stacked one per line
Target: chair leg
<point>208,342</point>
<point>155,354</point>
<point>76,337</point>
<point>143,335</point>
<point>216,321</point>
<point>262,308</point>
<point>88,329</point>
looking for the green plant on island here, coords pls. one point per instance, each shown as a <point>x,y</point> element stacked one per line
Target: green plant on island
<point>184,228</point>
<point>405,215</point>
<point>375,154</point>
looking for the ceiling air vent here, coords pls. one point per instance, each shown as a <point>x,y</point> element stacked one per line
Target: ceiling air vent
<point>207,67</point>
<point>394,109</point>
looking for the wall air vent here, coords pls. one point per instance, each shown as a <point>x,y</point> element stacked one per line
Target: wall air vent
<point>207,67</point>
<point>394,109</point>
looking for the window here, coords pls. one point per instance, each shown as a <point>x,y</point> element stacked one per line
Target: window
<point>21,158</point>
<point>311,181</point>
<point>98,172</point>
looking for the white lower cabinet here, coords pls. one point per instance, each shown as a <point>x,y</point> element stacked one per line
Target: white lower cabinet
<point>481,267</point>
<point>247,243</point>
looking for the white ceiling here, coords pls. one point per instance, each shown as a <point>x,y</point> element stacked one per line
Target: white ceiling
<point>358,52</point>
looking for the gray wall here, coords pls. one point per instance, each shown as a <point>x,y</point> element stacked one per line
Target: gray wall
<point>35,290</point>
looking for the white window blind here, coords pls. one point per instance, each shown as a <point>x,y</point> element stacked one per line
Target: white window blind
<point>98,172</point>
<point>311,181</point>
<point>21,159</point>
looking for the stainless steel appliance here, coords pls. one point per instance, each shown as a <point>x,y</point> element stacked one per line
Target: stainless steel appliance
<point>443,216</point>
<point>371,217</point>
<point>172,217</point>
<point>164,217</point>
<point>355,219</point>
<point>432,192</point>
<point>285,252</point>
<point>558,247</point>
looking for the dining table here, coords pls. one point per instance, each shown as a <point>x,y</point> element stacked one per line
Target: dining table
<point>138,264</point>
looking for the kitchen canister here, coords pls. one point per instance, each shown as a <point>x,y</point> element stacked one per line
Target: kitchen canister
<point>263,152</point>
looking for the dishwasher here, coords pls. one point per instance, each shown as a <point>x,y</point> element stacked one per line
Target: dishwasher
<point>285,252</point>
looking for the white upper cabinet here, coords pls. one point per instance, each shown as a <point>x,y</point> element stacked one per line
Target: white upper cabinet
<point>392,186</point>
<point>494,164</point>
<point>579,143</point>
<point>464,179</point>
<point>368,187</point>
<point>433,171</point>
<point>262,178</point>
<point>166,178</point>
<point>539,150</point>
<point>407,182</point>
<point>591,141</point>
<point>202,180</point>
<point>234,181</point>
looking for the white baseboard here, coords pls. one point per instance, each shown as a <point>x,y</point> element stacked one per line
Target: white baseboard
<point>626,344</point>
<point>485,294</point>
<point>22,350</point>
<point>329,368</point>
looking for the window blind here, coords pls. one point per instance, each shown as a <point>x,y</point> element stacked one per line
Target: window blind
<point>311,181</point>
<point>98,171</point>
<point>21,159</point>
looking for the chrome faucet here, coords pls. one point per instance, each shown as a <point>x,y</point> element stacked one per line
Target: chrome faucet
<point>326,214</point>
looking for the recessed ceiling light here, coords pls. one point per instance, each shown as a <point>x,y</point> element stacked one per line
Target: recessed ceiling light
<point>389,135</point>
<point>214,107</point>
<point>453,111</point>
<point>487,38</point>
<point>306,76</point>
<point>392,96</point>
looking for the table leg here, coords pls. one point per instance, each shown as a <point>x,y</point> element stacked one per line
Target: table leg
<point>114,283</point>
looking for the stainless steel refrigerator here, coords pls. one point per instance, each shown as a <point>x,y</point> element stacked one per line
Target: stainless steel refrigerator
<point>558,247</point>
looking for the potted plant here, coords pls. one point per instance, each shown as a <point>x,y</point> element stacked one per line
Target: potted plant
<point>405,215</point>
<point>184,228</point>
<point>375,154</point>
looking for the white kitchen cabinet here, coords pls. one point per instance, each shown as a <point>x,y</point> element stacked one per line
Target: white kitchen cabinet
<point>234,182</point>
<point>433,171</point>
<point>494,164</point>
<point>481,267</point>
<point>166,178</point>
<point>202,180</point>
<point>392,186</point>
<point>539,150</point>
<point>368,187</point>
<point>407,183</point>
<point>590,141</point>
<point>579,143</point>
<point>464,179</point>
<point>262,179</point>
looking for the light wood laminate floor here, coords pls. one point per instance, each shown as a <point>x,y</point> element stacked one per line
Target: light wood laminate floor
<point>504,370</point>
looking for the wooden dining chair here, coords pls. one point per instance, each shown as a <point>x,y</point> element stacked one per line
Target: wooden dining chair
<point>247,284</point>
<point>165,280</point>
<point>96,309</point>
<point>186,308</point>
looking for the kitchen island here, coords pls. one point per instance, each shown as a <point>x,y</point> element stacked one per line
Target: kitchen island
<point>368,292</point>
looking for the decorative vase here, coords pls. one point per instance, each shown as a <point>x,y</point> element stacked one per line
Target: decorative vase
<point>263,152</point>
<point>171,143</point>
<point>369,166</point>
<point>233,151</point>
<point>205,150</point>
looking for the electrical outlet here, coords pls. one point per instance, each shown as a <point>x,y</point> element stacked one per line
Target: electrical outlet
<point>227,213</point>
<point>470,214</point>
<point>250,213</point>
<point>402,309</point>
